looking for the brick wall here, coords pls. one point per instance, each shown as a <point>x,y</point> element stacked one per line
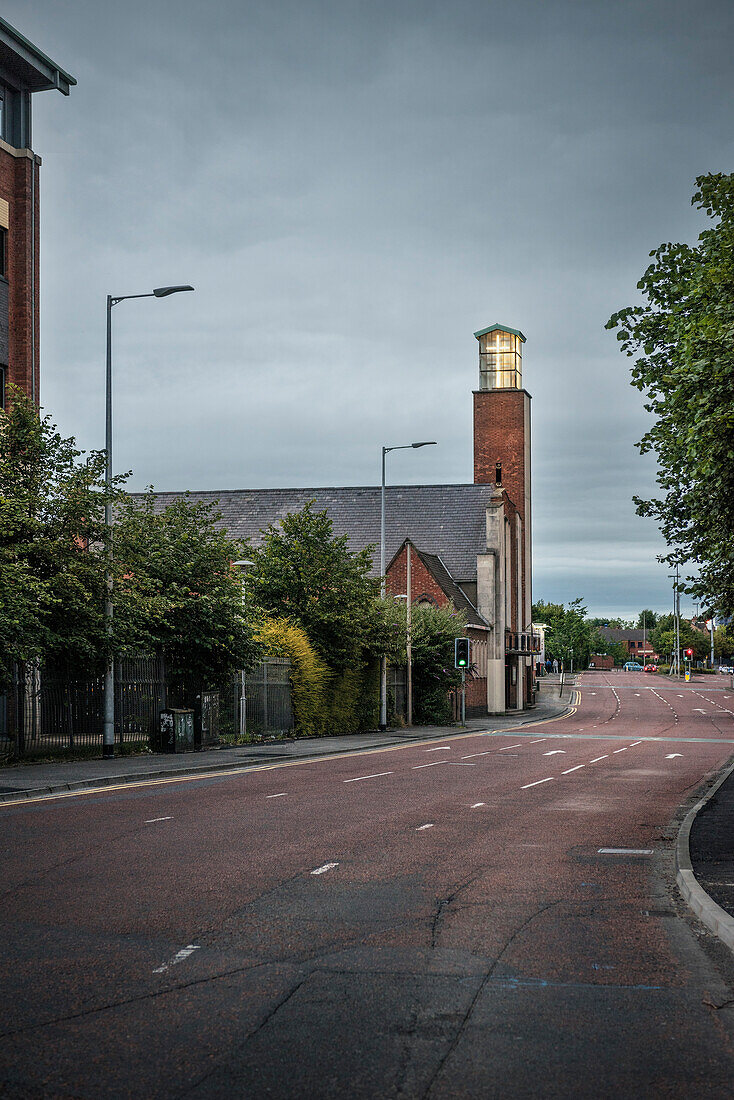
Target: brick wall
<point>15,188</point>
<point>422,582</point>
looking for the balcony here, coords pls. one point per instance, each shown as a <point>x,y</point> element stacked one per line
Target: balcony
<point>522,645</point>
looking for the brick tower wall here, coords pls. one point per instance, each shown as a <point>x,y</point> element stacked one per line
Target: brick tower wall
<point>19,306</point>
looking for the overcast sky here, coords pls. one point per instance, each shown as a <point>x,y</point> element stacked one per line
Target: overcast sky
<point>354,189</point>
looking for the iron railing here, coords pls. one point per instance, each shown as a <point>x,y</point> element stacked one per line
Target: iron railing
<point>258,702</point>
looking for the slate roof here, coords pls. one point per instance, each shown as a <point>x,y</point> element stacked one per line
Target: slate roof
<point>447,584</point>
<point>446,520</point>
<point>612,634</point>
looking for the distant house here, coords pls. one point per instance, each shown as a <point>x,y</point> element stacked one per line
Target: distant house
<point>636,642</point>
<point>469,544</point>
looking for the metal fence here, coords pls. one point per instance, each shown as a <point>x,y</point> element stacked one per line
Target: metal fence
<point>47,714</point>
<point>258,702</point>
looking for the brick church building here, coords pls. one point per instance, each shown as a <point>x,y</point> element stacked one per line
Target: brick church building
<point>469,544</point>
<point>24,70</point>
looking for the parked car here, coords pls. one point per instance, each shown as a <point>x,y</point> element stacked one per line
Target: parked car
<point>633,666</point>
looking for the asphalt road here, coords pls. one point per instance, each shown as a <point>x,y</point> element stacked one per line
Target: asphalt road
<point>433,920</point>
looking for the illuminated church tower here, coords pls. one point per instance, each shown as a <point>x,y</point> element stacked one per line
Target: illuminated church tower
<point>502,459</point>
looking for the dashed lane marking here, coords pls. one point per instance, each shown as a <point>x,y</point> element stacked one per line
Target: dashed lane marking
<point>555,752</point>
<point>598,758</point>
<point>517,746</point>
<point>625,851</point>
<point>621,750</point>
<point>569,770</point>
<point>471,755</point>
<point>324,868</point>
<point>538,782</point>
<point>439,748</point>
<point>375,775</point>
<point>152,820</point>
<point>178,957</point>
<point>432,765</point>
<point>539,740</point>
<point>476,805</point>
<point>420,828</point>
<point>282,794</point>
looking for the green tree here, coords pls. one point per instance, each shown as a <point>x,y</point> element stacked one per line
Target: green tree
<point>303,572</point>
<point>177,592</point>
<point>647,619</point>
<point>569,635</point>
<point>682,340</point>
<point>52,544</point>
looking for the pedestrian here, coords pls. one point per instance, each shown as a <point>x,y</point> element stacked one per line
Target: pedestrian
<point>555,665</point>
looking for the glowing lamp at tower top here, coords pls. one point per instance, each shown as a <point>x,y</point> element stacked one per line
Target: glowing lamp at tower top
<point>500,358</point>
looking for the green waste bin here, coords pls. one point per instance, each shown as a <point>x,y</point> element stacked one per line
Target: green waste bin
<point>176,730</point>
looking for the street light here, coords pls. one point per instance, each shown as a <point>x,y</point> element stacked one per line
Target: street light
<point>108,737</point>
<point>243,565</point>
<point>383,660</point>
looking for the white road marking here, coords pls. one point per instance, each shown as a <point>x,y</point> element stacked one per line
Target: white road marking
<point>471,755</point>
<point>281,795</point>
<point>433,765</point>
<point>569,770</point>
<point>635,743</point>
<point>699,710</point>
<point>375,775</point>
<point>622,750</point>
<point>537,781</point>
<point>625,851</point>
<point>592,693</point>
<point>672,755</point>
<point>324,867</point>
<point>555,752</point>
<point>517,746</point>
<point>422,827</point>
<point>637,694</point>
<point>151,820</point>
<point>539,740</point>
<point>476,805</point>
<point>597,758</point>
<point>178,957</point>
<point>440,748</point>
<point>459,764</point>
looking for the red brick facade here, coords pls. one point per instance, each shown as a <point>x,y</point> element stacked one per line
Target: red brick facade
<point>17,189</point>
<point>423,586</point>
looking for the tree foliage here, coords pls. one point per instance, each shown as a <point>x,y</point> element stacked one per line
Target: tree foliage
<point>682,339</point>
<point>570,635</point>
<point>303,572</point>
<point>52,548</point>
<point>177,592</point>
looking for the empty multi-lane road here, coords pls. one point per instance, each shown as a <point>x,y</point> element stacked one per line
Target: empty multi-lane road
<point>486,915</point>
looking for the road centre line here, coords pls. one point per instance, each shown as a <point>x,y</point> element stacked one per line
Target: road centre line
<point>476,805</point>
<point>152,820</point>
<point>597,758</point>
<point>472,754</point>
<point>281,795</point>
<point>537,781</point>
<point>539,740</point>
<point>375,775</point>
<point>519,745</point>
<point>440,748</point>
<point>621,750</point>
<point>178,957</point>
<point>569,770</point>
<point>324,868</point>
<point>420,828</point>
<point>433,764</point>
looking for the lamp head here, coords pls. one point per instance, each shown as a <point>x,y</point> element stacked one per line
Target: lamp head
<point>426,443</point>
<point>164,291</point>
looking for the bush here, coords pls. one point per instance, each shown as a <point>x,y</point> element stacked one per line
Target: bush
<point>310,677</point>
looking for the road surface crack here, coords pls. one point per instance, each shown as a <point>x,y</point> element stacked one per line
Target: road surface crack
<point>483,985</point>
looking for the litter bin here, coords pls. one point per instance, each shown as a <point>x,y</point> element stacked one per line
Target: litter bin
<point>176,730</point>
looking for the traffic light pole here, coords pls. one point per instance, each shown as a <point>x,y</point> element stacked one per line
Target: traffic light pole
<point>463,697</point>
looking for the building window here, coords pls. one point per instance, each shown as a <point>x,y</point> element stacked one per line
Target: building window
<point>3,253</point>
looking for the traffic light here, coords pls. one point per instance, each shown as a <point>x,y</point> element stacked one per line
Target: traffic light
<point>689,653</point>
<point>462,653</point>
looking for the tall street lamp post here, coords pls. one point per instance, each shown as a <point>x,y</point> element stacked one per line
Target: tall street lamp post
<point>383,660</point>
<point>108,738</point>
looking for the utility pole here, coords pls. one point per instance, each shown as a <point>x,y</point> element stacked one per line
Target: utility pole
<point>675,661</point>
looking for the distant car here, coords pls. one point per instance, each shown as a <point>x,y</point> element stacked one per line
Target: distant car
<point>726,668</point>
<point>633,666</point>
<point>651,668</point>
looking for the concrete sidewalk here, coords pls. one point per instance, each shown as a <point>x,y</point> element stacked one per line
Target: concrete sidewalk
<point>35,780</point>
